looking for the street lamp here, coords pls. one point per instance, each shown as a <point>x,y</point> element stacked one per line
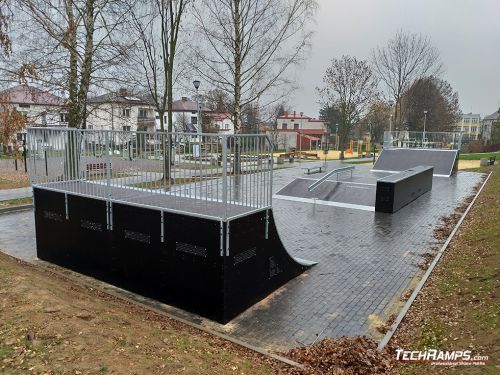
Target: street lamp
<point>391,103</point>
<point>300,135</point>
<point>196,85</point>
<point>336,137</point>
<point>425,120</point>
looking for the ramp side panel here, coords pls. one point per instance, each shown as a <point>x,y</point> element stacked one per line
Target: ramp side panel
<point>400,159</point>
<point>256,266</point>
<point>173,258</point>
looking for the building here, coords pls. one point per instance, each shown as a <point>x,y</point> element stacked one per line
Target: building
<point>298,131</point>
<point>40,108</point>
<point>120,111</point>
<point>222,123</point>
<point>487,127</point>
<point>184,114</point>
<point>470,126</point>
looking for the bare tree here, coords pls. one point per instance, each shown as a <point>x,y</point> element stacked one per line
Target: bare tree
<point>248,45</point>
<point>349,85</point>
<point>156,24</point>
<point>70,44</point>
<point>405,59</point>
<point>5,19</point>
<point>377,117</point>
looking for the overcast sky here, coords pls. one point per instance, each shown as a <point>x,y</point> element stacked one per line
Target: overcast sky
<point>466,32</point>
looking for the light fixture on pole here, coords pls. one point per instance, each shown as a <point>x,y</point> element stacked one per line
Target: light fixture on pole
<point>391,103</point>
<point>336,137</point>
<point>425,120</point>
<point>196,84</point>
<point>300,134</point>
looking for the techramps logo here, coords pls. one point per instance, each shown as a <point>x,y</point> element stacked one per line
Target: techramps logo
<point>442,357</point>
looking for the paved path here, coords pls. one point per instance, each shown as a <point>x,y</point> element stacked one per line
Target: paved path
<point>6,194</point>
<point>366,260</point>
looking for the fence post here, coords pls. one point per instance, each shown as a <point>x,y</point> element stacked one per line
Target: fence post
<point>108,165</point>
<point>224,175</point>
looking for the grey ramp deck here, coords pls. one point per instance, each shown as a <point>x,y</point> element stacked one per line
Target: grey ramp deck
<point>332,191</point>
<point>212,209</point>
<point>400,159</point>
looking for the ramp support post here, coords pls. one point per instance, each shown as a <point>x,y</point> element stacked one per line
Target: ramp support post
<point>162,229</point>
<point>221,238</point>
<point>266,233</point>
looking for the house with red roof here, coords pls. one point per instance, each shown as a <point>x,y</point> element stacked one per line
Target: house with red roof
<point>39,107</point>
<point>295,130</point>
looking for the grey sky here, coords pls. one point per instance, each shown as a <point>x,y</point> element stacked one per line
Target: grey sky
<point>466,32</point>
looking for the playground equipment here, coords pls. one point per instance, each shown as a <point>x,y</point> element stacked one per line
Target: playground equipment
<point>169,225</point>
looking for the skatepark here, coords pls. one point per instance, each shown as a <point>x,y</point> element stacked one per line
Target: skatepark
<point>231,249</point>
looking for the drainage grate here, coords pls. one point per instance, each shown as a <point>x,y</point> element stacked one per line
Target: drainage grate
<point>191,249</point>
<point>91,225</point>
<point>51,215</point>
<point>244,255</point>
<point>137,236</point>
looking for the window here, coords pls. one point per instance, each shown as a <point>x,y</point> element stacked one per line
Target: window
<point>126,128</point>
<point>90,127</point>
<point>227,126</point>
<point>296,126</point>
<point>64,117</point>
<point>284,126</point>
<point>24,105</point>
<point>143,113</point>
<point>20,136</point>
<point>194,120</point>
<point>126,112</point>
<point>466,119</point>
<point>474,120</point>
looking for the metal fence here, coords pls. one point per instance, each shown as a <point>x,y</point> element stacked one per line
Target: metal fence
<point>409,139</point>
<point>210,175</point>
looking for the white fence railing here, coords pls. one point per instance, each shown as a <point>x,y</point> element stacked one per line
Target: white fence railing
<point>409,139</point>
<point>200,174</point>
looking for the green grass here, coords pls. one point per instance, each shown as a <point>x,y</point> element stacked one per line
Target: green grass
<point>15,202</point>
<point>462,301</point>
<point>478,156</point>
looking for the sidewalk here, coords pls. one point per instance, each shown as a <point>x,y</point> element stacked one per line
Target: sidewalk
<point>8,194</point>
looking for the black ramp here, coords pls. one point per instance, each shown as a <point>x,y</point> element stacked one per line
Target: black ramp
<point>212,268</point>
<point>445,162</point>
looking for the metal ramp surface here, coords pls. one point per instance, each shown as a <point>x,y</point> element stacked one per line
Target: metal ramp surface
<point>445,162</point>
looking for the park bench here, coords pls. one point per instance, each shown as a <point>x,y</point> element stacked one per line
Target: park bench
<point>311,170</point>
<point>96,169</point>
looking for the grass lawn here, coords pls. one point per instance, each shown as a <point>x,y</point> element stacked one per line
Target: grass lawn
<point>479,156</point>
<point>15,202</point>
<point>459,307</point>
<point>53,325</point>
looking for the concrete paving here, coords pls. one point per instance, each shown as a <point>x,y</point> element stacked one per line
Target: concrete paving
<point>366,260</point>
<point>7,194</point>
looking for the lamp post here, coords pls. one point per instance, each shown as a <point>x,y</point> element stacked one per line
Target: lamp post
<point>196,84</point>
<point>391,103</point>
<point>425,120</point>
<point>300,135</point>
<point>336,137</point>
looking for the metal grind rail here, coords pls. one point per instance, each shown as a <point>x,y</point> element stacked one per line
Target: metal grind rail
<point>336,171</point>
<point>215,172</point>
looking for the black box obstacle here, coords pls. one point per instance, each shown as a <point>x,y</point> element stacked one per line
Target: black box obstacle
<point>397,190</point>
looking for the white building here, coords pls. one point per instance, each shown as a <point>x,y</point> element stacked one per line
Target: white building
<point>120,111</point>
<point>470,126</point>
<point>40,108</point>
<point>297,131</point>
